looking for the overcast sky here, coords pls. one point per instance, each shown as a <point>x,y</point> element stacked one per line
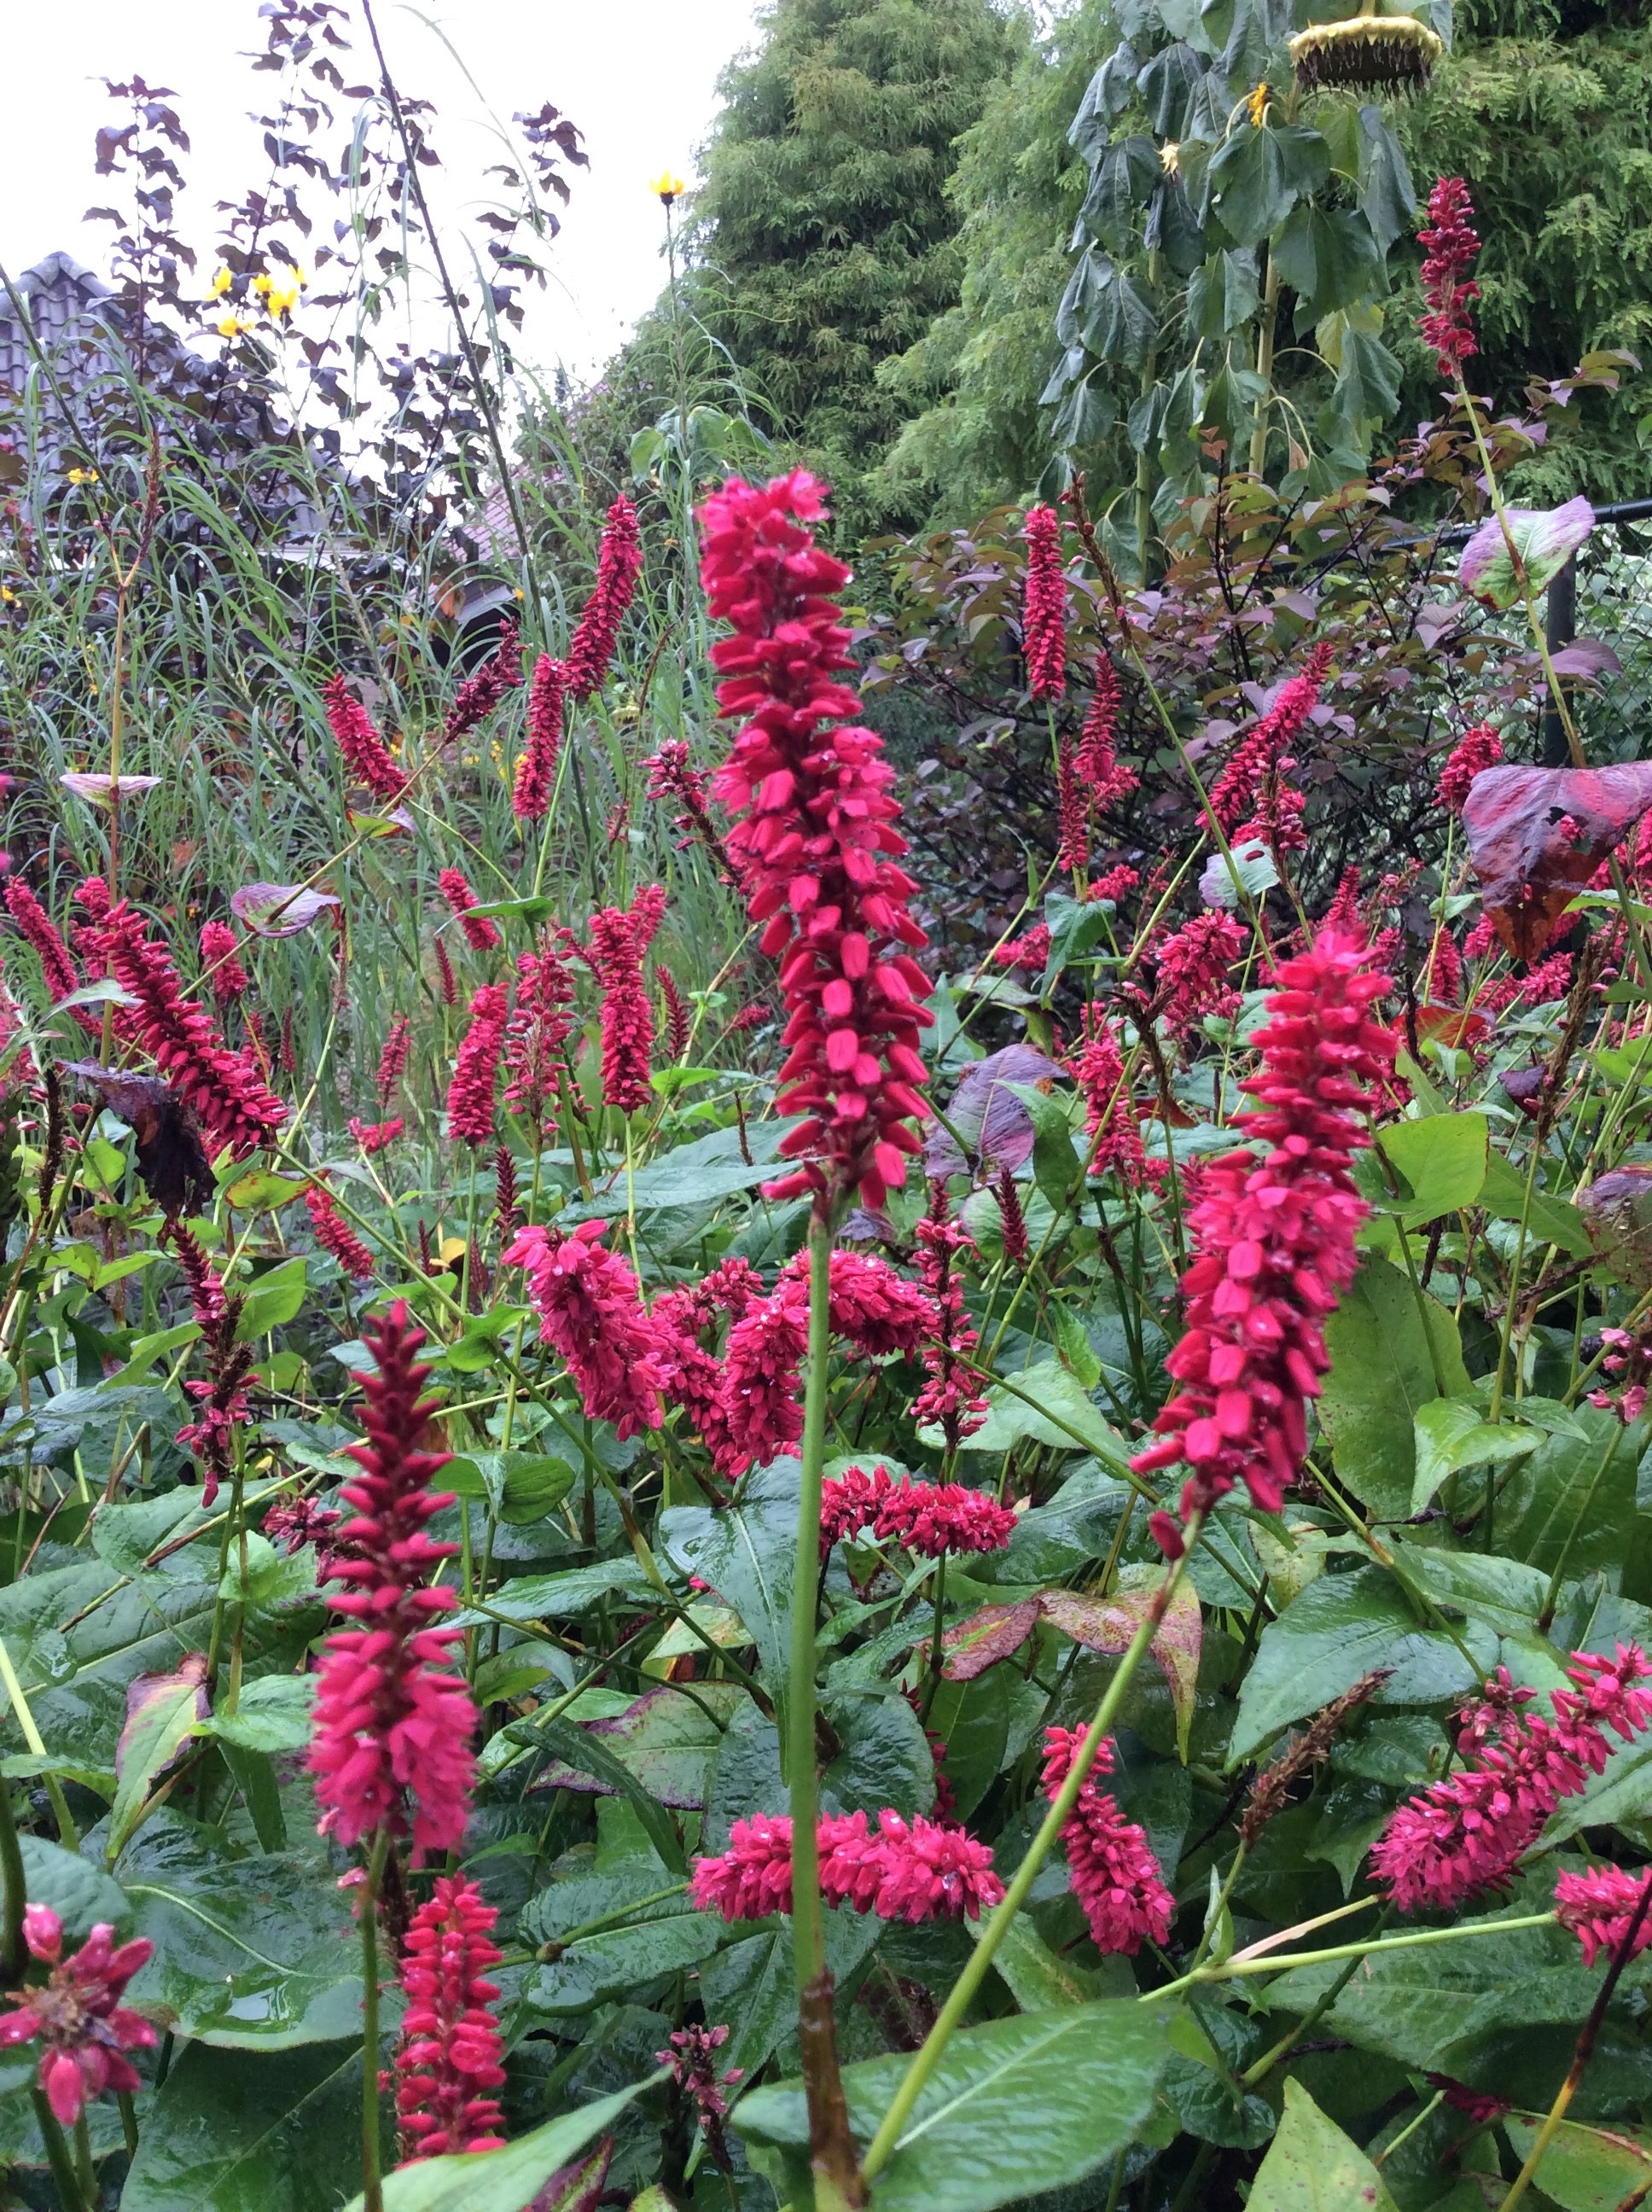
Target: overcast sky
<point>638,77</point>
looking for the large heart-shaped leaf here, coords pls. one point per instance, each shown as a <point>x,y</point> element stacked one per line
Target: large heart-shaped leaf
<point>240,2131</point>
<point>1382,1371</point>
<point>1311,2165</point>
<point>506,2180</point>
<point>1544,543</point>
<point>279,909</point>
<point>1110,1623</point>
<point>1537,835</point>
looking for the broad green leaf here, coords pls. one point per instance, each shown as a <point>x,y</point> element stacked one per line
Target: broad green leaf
<point>1166,85</point>
<point>564,1595</point>
<point>1574,1498</point>
<point>1381,1374</point>
<point>1439,1166</point>
<point>1549,1220</point>
<point>1387,195</point>
<point>1110,1623</point>
<point>272,1714</point>
<point>750,1987</point>
<point>79,1893</point>
<point>1258,176</point>
<point>587,1754</point>
<point>156,1732</point>
<point>1057,1168</point>
<point>1503,1595</point>
<point>972,1719</point>
<point>1339,1628</point>
<point>667,1739</point>
<point>1043,1405</point>
<point>273,1301</point>
<point>1123,182</point>
<point>245,2131</point>
<point>595,1968</point>
<point>503,2180</point>
<point>747,1553</point>
<point>1311,2165</point>
<point>1327,255</point>
<point>251,1953</point>
<point>1223,295</point>
<point>1451,1434</point>
<point>1014,2107</point>
<point>1074,931</point>
<point>1038,1978</point>
<point>1585,2169</point>
<point>712,1166</point>
<point>1544,542</point>
<point>885,1759</point>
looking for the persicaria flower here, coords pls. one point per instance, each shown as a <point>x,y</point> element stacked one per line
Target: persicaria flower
<point>76,2015</point>
<point>334,1234</point>
<point>476,1069</point>
<point>224,972</point>
<point>365,752</point>
<point>692,2056</point>
<point>672,774</point>
<point>1274,1236</point>
<point>536,768</point>
<point>374,1136</point>
<point>875,1310</point>
<point>392,1721</point>
<point>760,1400</point>
<point>926,1517</point>
<point>1029,952</point>
<point>1044,606</point>
<point>1468,1831</point>
<point>620,938</point>
<point>1095,761</point>
<point>451,2056</point>
<point>1116,884</point>
<point>1451,245</point>
<point>298,1524</point>
<point>480,934</point>
<point>1475,751</point>
<point>1073,814</point>
<point>1113,1873</point>
<point>619,564</point>
<point>392,1060</point>
<point>1251,799</point>
<point>1097,1068</point>
<point>678,1026</point>
<point>591,1313</point>
<point>541,1018</point>
<point>1192,972</point>
<point>477,696</point>
<point>913,1870</point>
<point>951,1398</point>
<point>814,838</point>
<point>1599,1906</point>
<point>225,1089</point>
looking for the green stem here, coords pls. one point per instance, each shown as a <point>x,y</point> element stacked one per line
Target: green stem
<point>372,2198</point>
<point>13,1892</point>
<point>986,1945</point>
<point>1264,367</point>
<point>67,1835</point>
<point>1272,1963</point>
<point>1546,1614</point>
<point>71,2196</point>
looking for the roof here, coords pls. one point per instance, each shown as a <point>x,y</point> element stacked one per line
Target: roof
<point>62,299</point>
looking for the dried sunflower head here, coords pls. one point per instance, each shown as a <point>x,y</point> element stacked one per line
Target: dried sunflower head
<point>1394,53</point>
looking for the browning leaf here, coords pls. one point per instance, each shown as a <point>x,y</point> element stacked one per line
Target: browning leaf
<point>1537,835</point>
<point>171,1158</point>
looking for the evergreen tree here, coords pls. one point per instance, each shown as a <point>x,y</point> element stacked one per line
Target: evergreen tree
<point>825,236</point>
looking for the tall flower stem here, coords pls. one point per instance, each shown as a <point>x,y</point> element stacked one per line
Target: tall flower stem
<point>372,2198</point>
<point>71,2196</point>
<point>992,1936</point>
<point>13,1892</point>
<point>836,2179</point>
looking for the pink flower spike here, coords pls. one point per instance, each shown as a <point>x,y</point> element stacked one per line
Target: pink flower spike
<point>480,934</point>
<point>1598,1907</point>
<point>76,2015</point>
<point>1044,606</point>
<point>1451,245</point>
<point>619,564</point>
<point>591,1313</point>
<point>536,768</point>
<point>476,1070</point>
<point>1475,751</point>
<point>451,2055</point>
<point>1114,1875</point>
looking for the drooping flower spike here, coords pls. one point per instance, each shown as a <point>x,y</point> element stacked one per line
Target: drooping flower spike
<point>913,1870</point>
<point>590,1312</point>
<point>76,2015</point>
<point>536,768</point>
<point>1452,246</point>
<point>1044,606</point>
<point>619,564</point>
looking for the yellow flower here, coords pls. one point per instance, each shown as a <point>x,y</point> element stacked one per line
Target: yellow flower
<point>236,326</point>
<point>518,594</point>
<point>281,289</point>
<point>8,596</point>
<point>261,283</point>
<point>667,187</point>
<point>222,281</point>
<point>1169,156</point>
<point>82,475</point>
<point>1256,103</point>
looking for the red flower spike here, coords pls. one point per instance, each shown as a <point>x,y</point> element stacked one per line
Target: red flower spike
<point>334,1234</point>
<point>1598,1907</point>
<point>951,1398</point>
<point>915,1870</point>
<point>1044,606</point>
<point>1095,762</point>
<point>477,696</point>
<point>374,1136</point>
<point>1451,245</point>
<point>1114,1875</point>
<point>1192,972</point>
<point>541,1019</point>
<point>451,2055</point>
<point>1252,784</point>
<point>1467,1831</point>
<point>392,1721</point>
<point>76,2015</point>
<point>536,768</point>
<point>1274,1237</point>
<point>1073,814</point>
<point>619,564</point>
<point>392,1060</point>
<point>760,1400</point>
<point>814,837</point>
<point>1475,751</point>
<point>228,1095</point>
<point>476,1070</point>
<point>480,934</point>
<point>63,977</point>
<point>224,974</point>
<point>591,1314</point>
<point>619,943</point>
<point>929,1518</point>
<point>1097,1068</point>
<point>365,752</point>
<point>678,1025</point>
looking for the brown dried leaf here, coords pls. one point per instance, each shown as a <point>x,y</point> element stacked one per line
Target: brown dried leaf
<point>1537,835</point>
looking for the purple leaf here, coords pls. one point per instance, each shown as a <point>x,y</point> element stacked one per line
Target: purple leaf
<point>278,909</point>
<point>1544,541</point>
<point>100,789</point>
<point>1586,656</point>
<point>986,1114</point>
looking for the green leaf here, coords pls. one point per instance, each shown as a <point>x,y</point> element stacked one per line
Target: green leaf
<point>1036,1976</point>
<point>712,1166</point>
<point>1381,1373</point>
<point>151,1740</point>
<point>1387,196</point>
<point>239,2131</point>
<point>885,1760</point>
<point>273,1714</point>
<point>1223,295</point>
<point>1439,1166</point>
<point>1585,2169</point>
<point>972,1719</point>
<point>750,1987</point>
<point>1057,1168</point>
<point>747,1553</point>
<point>1574,1496</point>
<point>587,1754</point>
<point>1549,1220</point>
<point>80,1893</point>
<point>1167,84</point>
<point>1046,1405</point>
<point>1311,2165</point>
<point>1074,930</point>
<point>1124,181</point>
<point>1450,1434</point>
<point>1337,1629</point>
<point>502,2180</point>
<point>273,1301</point>
<point>1544,542</point>
<point>564,1595</point>
<point>1257,177</point>
<point>250,1954</point>
<point>592,1969</point>
<point>1014,2107</point>
<point>1329,258</point>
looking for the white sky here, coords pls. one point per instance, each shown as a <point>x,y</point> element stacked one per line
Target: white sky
<point>637,77</point>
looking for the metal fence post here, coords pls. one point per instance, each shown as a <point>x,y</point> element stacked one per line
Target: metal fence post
<point>1560,624</point>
